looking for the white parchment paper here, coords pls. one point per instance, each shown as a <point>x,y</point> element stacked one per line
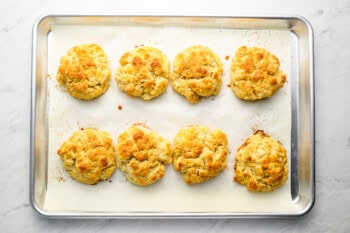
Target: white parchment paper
<point>166,115</point>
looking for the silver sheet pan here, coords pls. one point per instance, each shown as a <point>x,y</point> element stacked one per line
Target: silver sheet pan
<point>301,184</point>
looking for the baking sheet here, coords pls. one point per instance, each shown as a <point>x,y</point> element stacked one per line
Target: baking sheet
<point>166,115</point>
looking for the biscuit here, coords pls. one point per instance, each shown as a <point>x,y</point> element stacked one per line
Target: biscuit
<point>199,153</point>
<point>88,156</point>
<point>261,163</point>
<point>85,71</point>
<point>144,72</point>
<point>197,73</point>
<point>142,155</point>
<point>255,73</point>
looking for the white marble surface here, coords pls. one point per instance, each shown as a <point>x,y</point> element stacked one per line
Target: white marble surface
<point>331,23</point>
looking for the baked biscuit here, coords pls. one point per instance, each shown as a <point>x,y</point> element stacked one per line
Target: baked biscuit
<point>88,156</point>
<point>261,163</point>
<point>255,73</point>
<point>143,72</point>
<point>85,71</point>
<point>197,73</point>
<point>142,155</point>
<point>199,153</point>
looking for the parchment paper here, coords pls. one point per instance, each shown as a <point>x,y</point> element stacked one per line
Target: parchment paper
<point>166,115</point>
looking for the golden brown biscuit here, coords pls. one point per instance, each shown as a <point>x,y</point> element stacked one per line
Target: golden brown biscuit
<point>84,71</point>
<point>261,163</point>
<point>88,156</point>
<point>199,153</point>
<point>143,72</point>
<point>197,73</point>
<point>255,73</point>
<point>142,155</point>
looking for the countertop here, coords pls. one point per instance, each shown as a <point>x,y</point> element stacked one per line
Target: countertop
<point>330,20</point>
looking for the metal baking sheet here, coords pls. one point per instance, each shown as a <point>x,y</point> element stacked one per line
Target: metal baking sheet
<point>287,116</point>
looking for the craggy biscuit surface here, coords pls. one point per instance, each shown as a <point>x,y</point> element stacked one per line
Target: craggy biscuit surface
<point>255,73</point>
<point>197,73</point>
<point>144,72</point>
<point>85,71</point>
<point>142,155</point>
<point>261,163</point>
<point>199,153</point>
<point>88,156</point>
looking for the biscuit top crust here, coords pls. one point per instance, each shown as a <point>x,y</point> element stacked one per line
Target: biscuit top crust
<point>199,153</point>
<point>144,72</point>
<point>255,73</point>
<point>261,163</point>
<point>88,156</point>
<point>196,62</point>
<point>85,71</point>
<point>142,154</point>
<point>197,72</point>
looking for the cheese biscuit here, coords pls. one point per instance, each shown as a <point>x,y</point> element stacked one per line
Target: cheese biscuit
<point>143,72</point>
<point>255,74</point>
<point>85,71</point>
<point>200,153</point>
<point>88,156</point>
<point>197,73</point>
<point>142,155</point>
<point>261,163</point>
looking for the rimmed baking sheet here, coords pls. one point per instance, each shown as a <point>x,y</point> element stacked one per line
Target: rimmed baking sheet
<point>57,115</point>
